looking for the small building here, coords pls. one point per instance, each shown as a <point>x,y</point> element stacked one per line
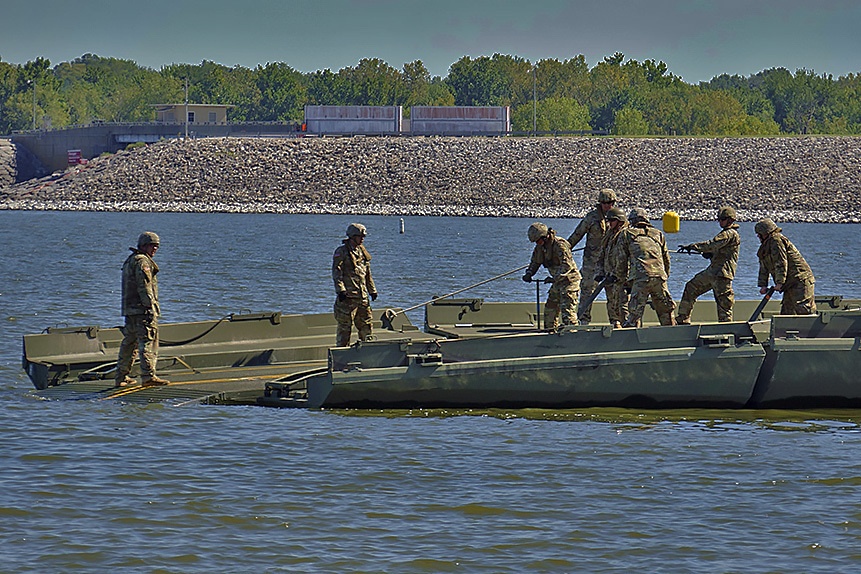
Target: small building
<point>197,113</point>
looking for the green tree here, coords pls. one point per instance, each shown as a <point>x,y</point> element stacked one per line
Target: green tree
<point>551,115</point>
<point>374,83</point>
<point>476,82</point>
<point>417,84</point>
<point>630,122</point>
<point>610,91</point>
<point>283,94</point>
<point>568,79</point>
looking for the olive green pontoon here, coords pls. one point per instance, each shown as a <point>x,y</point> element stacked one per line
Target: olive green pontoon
<point>477,353</point>
<point>224,361</point>
<point>491,355</point>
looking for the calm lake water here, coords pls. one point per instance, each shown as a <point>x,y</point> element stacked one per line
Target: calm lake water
<point>104,486</point>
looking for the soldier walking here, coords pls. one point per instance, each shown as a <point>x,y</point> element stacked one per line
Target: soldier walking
<point>793,277</point>
<point>554,253</point>
<point>593,226</point>
<point>722,253</point>
<point>354,286</point>
<point>141,311</point>
<point>643,249</point>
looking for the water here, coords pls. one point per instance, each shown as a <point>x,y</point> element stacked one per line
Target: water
<point>103,486</point>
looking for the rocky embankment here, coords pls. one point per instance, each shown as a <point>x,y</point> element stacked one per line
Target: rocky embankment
<point>790,179</point>
<point>7,163</point>
<point>17,164</point>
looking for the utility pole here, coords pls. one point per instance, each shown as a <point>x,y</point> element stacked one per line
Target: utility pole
<point>33,81</point>
<point>186,107</point>
<point>534,102</point>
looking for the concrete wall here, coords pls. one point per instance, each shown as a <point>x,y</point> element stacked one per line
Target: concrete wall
<point>460,120</point>
<point>348,120</point>
<point>51,147</point>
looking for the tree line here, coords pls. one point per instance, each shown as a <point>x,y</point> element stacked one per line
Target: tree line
<point>622,97</point>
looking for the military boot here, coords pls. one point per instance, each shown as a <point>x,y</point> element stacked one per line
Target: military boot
<point>125,382</point>
<point>154,381</point>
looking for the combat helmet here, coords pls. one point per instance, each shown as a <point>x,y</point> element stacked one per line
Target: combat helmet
<point>727,212</point>
<point>638,214</point>
<point>356,229</point>
<point>536,231</point>
<point>765,227</point>
<point>616,214</point>
<point>148,238</point>
<point>606,195</point>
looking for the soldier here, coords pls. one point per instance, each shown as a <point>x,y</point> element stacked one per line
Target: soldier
<point>351,272</point>
<point>141,311</point>
<point>792,275</point>
<point>643,250</point>
<point>617,298</point>
<point>554,253</point>
<point>593,226</point>
<point>722,252</point>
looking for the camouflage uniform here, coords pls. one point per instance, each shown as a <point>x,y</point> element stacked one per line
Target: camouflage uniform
<point>643,249</point>
<point>556,256</point>
<point>780,258</point>
<point>717,277</point>
<point>141,310</point>
<point>351,272</point>
<point>593,226</point>
<point>609,263</point>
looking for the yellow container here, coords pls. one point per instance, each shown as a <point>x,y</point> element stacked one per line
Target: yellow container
<point>671,222</point>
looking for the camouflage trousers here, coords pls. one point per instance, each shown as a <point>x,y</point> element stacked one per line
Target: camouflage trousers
<point>587,287</point>
<point>561,304</point>
<point>656,289</point>
<point>140,333</point>
<point>352,310</point>
<point>798,299</point>
<point>617,303</point>
<point>701,283</point>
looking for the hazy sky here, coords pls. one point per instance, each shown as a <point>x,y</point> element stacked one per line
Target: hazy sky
<point>698,39</point>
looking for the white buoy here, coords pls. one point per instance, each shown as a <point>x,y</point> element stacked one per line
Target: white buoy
<point>402,224</point>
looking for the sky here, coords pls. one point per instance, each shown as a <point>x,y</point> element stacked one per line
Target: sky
<point>697,39</point>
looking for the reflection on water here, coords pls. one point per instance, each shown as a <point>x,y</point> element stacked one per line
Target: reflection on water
<point>631,419</point>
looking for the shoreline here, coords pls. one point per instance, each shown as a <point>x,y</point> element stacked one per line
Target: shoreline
<point>404,211</point>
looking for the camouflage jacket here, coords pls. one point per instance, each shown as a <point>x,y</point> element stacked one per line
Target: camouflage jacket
<point>643,249</point>
<point>608,263</point>
<point>779,257</point>
<point>724,250</point>
<point>140,285</point>
<point>556,256</point>
<point>351,271</point>
<point>594,226</point>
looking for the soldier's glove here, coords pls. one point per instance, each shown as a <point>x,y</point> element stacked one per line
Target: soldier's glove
<point>149,315</point>
<point>548,280</point>
<point>708,255</point>
<point>342,296</point>
<point>610,279</point>
<point>373,296</point>
<point>599,278</point>
<point>686,248</point>
<point>527,277</point>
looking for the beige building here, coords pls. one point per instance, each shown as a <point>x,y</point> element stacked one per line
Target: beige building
<point>197,113</point>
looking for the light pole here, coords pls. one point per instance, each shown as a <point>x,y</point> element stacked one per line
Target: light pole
<point>186,108</point>
<point>33,82</point>
<point>534,103</point>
